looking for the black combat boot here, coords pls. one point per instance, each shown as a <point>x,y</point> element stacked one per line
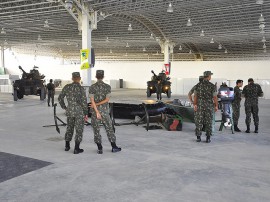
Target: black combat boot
<point>115,148</point>
<point>77,149</point>
<point>100,148</point>
<point>248,129</point>
<point>236,129</point>
<point>198,138</point>
<point>208,140</point>
<point>256,129</point>
<point>67,148</point>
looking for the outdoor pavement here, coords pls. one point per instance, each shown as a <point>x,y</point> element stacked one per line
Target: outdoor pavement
<point>153,166</point>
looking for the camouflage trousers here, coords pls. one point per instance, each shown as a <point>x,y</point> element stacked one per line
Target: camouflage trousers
<point>78,124</point>
<point>204,117</point>
<point>236,112</point>
<point>50,96</point>
<point>254,110</point>
<point>107,122</point>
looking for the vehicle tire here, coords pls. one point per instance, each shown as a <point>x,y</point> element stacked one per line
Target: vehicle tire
<point>148,92</point>
<point>169,93</point>
<point>15,95</point>
<point>19,95</point>
<point>42,93</point>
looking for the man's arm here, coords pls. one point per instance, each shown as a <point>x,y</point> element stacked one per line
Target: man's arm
<point>61,98</point>
<point>93,105</point>
<point>195,101</point>
<point>190,94</point>
<point>260,92</point>
<point>215,102</point>
<point>107,99</point>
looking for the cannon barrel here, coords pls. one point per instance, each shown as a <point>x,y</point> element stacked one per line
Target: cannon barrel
<point>22,70</point>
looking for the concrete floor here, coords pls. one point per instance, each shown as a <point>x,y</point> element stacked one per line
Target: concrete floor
<point>154,166</point>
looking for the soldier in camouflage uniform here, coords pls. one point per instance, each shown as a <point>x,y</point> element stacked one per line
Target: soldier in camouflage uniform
<point>251,92</point>
<point>76,111</point>
<point>205,96</point>
<point>99,94</point>
<point>236,104</point>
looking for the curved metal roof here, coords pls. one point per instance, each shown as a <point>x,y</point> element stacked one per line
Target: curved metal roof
<point>233,25</point>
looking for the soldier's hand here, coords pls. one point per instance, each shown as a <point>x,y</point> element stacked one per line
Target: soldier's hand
<point>85,118</point>
<point>216,108</point>
<point>98,116</point>
<point>90,105</point>
<point>195,108</point>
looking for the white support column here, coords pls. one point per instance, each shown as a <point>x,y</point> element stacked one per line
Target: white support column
<point>166,52</point>
<point>86,44</point>
<point>2,57</point>
<point>167,49</point>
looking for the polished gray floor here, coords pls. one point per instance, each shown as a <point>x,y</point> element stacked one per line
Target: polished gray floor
<point>154,166</point>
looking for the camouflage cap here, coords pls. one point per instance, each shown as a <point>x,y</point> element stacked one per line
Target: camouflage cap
<point>207,73</point>
<point>76,74</point>
<point>100,73</point>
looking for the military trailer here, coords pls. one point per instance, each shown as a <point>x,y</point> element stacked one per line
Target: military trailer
<point>162,80</point>
<point>30,84</point>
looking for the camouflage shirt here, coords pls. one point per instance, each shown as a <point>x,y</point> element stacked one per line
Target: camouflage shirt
<point>205,91</point>
<point>76,98</point>
<point>193,89</point>
<point>252,91</point>
<point>100,91</point>
<point>237,95</point>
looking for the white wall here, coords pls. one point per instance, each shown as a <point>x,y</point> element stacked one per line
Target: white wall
<point>136,74</point>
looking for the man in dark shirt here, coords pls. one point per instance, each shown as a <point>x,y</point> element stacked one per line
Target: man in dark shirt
<point>50,92</point>
<point>251,92</point>
<point>236,104</point>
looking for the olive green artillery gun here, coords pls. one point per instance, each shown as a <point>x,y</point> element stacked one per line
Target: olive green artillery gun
<point>30,84</point>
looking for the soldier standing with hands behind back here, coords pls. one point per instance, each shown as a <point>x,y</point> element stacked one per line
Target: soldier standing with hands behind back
<point>251,92</point>
<point>205,99</point>
<point>99,94</point>
<point>76,111</point>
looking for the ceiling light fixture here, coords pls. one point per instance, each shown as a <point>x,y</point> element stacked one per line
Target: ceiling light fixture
<point>144,49</point>
<point>68,43</point>
<point>226,51</point>
<point>107,39</point>
<point>130,27</point>
<point>261,18</point>
<point>170,8</point>
<point>151,36</point>
<point>219,46</point>
<point>202,33</point>
<point>262,26</point>
<point>259,2</point>
<point>264,50</point>
<point>39,38</point>
<point>3,31</point>
<point>189,24</point>
<point>180,48</point>
<point>264,46</point>
<point>69,4</point>
<point>5,43</point>
<point>46,24</point>
<point>262,31</point>
<point>263,39</point>
<point>190,52</point>
<point>110,51</point>
<point>212,40</point>
<point>127,46</point>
